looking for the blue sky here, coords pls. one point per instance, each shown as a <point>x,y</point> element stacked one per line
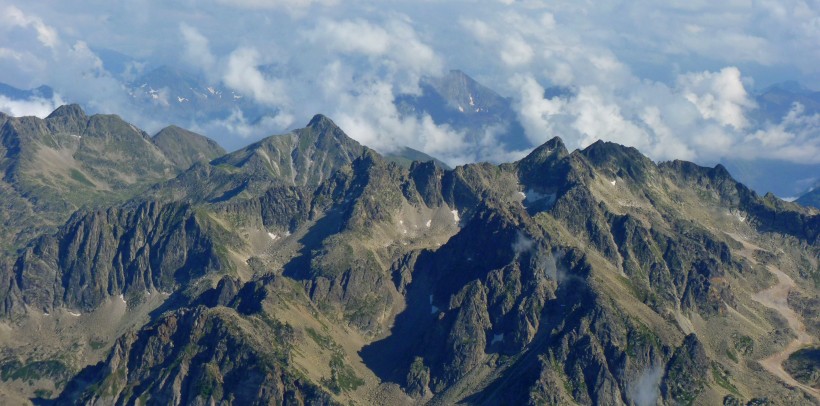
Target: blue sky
<point>673,78</point>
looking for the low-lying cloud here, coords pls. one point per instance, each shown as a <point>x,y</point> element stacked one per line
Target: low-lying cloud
<point>645,390</point>
<point>35,106</point>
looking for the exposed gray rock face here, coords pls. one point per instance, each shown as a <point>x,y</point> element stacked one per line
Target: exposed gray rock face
<point>197,357</point>
<point>147,247</point>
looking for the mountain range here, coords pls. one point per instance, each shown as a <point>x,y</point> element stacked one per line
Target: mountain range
<point>171,95</point>
<point>306,268</point>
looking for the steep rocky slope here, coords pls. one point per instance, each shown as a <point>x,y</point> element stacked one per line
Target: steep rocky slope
<point>332,275</point>
<point>53,166</point>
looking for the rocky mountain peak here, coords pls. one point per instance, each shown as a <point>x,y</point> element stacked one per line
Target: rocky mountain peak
<point>617,159</point>
<point>69,110</point>
<point>321,121</point>
<point>552,148</point>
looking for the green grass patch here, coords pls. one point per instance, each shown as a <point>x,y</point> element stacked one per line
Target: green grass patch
<point>79,177</point>
<point>342,376</point>
<point>722,378</point>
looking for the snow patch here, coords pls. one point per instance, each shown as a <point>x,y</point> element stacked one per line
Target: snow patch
<point>46,314</point>
<point>181,99</point>
<point>212,90</point>
<point>461,109</point>
<point>497,338</point>
<point>273,236</point>
<point>455,215</point>
<point>523,195</point>
<point>429,222</point>
<point>287,233</point>
<point>472,102</point>
<point>401,222</point>
<point>74,314</point>
<point>123,299</point>
<point>613,182</point>
<point>739,215</point>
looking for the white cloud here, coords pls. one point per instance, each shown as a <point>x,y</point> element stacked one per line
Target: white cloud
<point>36,106</point>
<point>720,96</point>
<point>393,50</point>
<point>197,51</point>
<point>645,390</point>
<point>795,138</point>
<point>352,36</point>
<point>516,51</point>
<point>371,117</point>
<point>242,74</point>
<point>237,124</point>
<point>645,75</point>
<point>14,17</point>
<point>534,110</point>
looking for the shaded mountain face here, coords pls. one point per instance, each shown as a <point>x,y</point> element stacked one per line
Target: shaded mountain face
<point>55,165</point>
<point>176,92</point>
<point>43,92</point>
<point>459,101</point>
<point>810,198</point>
<point>776,101</point>
<point>308,269</point>
<point>172,95</point>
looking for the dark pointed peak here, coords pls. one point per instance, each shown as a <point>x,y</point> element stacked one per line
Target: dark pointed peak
<point>68,110</point>
<point>556,144</point>
<point>601,151</point>
<point>618,160</point>
<point>322,130</point>
<point>320,121</point>
<point>554,147</point>
<point>721,171</point>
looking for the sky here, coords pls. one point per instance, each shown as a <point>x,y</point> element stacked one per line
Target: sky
<point>675,79</point>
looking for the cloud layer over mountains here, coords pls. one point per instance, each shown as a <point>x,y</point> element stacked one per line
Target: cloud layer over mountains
<point>674,80</point>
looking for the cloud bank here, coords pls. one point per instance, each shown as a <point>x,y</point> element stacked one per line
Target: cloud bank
<point>674,80</point>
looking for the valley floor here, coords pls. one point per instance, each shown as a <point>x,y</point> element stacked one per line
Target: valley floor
<point>775,298</point>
